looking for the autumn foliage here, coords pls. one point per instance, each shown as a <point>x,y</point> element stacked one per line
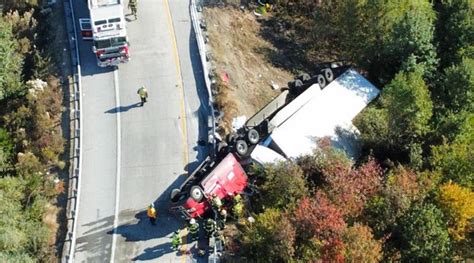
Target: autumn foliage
<point>457,203</point>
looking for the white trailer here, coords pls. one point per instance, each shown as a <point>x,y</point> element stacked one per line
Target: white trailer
<point>321,113</point>
<point>109,35</point>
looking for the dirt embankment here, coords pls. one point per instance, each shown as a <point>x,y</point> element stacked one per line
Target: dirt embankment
<point>236,45</point>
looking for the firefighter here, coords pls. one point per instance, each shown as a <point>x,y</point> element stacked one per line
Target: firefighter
<point>216,202</point>
<point>238,207</point>
<point>210,227</point>
<point>222,218</point>
<point>143,93</point>
<point>175,240</point>
<point>151,213</point>
<point>193,229</point>
<point>132,5</point>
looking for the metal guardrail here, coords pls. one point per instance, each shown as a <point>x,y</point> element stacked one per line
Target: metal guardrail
<point>197,21</point>
<point>76,163</point>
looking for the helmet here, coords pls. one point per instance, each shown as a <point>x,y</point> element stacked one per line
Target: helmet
<point>192,221</point>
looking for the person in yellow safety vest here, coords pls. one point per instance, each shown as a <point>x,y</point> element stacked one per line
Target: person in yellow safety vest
<point>238,207</point>
<point>222,218</point>
<point>216,202</point>
<point>210,227</point>
<point>175,240</point>
<point>193,228</point>
<point>151,213</point>
<point>143,93</point>
<point>132,5</point>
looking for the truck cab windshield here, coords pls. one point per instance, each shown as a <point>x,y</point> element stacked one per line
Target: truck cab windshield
<point>112,42</point>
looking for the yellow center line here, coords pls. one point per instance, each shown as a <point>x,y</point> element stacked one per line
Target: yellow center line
<point>180,87</point>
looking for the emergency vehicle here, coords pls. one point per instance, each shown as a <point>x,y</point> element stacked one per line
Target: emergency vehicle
<point>106,28</point>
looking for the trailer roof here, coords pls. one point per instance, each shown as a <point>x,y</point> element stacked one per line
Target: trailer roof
<point>329,114</point>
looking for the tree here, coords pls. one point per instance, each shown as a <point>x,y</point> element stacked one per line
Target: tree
<point>455,161</point>
<point>409,109</point>
<point>370,31</point>
<point>12,235</point>
<point>270,238</point>
<point>319,225</point>
<point>372,123</point>
<point>402,188</point>
<point>284,185</point>
<point>457,204</point>
<point>455,28</point>
<point>412,37</point>
<point>361,245</point>
<point>423,234</point>
<point>456,92</point>
<point>324,160</point>
<point>349,190</point>
<point>10,63</point>
<point>454,97</point>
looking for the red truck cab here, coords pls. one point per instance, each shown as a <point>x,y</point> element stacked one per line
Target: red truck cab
<point>224,178</point>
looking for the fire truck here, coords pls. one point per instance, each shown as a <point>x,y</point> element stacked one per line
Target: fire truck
<point>106,29</point>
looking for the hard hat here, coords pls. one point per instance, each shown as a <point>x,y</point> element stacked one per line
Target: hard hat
<point>192,221</point>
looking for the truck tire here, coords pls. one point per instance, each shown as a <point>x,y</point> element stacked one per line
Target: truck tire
<point>321,81</point>
<point>328,74</point>
<point>196,193</point>
<point>252,136</point>
<point>175,192</point>
<point>241,147</point>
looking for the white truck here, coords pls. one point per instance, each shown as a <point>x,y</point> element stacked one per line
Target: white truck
<point>292,129</point>
<point>106,28</point>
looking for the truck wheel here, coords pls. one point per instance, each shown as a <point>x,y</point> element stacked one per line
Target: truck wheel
<point>175,192</point>
<point>196,193</point>
<point>252,136</point>
<point>328,74</point>
<point>241,147</point>
<point>321,81</point>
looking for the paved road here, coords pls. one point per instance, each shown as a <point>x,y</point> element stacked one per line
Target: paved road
<point>133,155</point>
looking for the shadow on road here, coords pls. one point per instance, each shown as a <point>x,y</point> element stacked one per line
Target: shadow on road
<point>94,241</point>
<point>140,229</point>
<point>124,108</point>
<point>204,110</point>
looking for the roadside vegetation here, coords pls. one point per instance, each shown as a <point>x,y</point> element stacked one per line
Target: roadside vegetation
<point>31,139</point>
<point>410,195</point>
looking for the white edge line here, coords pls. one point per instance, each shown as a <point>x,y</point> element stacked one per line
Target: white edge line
<point>81,139</point>
<point>117,181</point>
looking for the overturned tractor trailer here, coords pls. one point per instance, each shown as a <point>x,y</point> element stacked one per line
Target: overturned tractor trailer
<point>106,29</point>
<point>290,128</point>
